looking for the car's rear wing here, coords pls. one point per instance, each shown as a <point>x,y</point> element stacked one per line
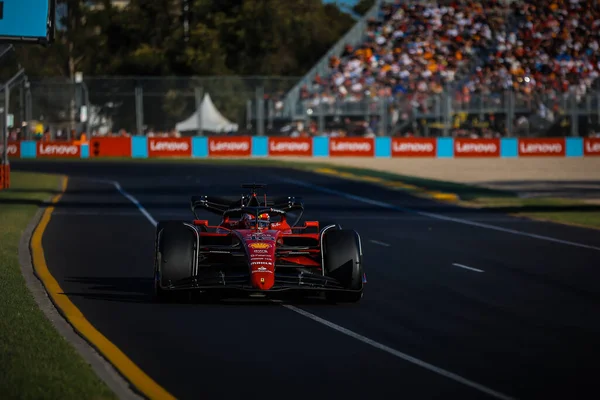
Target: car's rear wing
<point>216,205</point>
<point>224,207</point>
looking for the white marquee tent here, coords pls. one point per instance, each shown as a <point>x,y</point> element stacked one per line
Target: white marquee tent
<point>211,119</point>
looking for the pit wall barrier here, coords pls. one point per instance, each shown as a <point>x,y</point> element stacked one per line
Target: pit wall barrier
<point>323,147</point>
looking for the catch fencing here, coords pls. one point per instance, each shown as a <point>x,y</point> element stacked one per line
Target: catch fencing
<point>261,106</point>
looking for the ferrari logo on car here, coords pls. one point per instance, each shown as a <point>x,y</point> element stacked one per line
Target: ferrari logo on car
<point>259,245</point>
<point>262,280</point>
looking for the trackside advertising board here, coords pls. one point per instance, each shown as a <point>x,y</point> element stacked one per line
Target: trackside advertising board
<point>540,147</point>
<point>351,147</point>
<point>58,149</point>
<point>591,147</point>
<point>282,146</point>
<point>229,146</point>
<point>476,147</point>
<point>110,147</point>
<point>169,147</point>
<point>14,149</point>
<point>318,146</point>
<point>414,147</point>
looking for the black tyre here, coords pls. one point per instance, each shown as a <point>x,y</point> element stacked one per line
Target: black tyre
<point>175,252</point>
<point>343,261</point>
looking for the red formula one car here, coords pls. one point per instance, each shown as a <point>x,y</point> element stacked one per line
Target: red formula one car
<point>255,250</point>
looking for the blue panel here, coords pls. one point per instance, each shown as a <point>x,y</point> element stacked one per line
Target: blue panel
<point>445,147</point>
<point>321,146</point>
<point>260,146</point>
<point>28,149</point>
<point>383,146</point>
<point>85,151</point>
<point>25,18</point>
<point>574,147</point>
<point>139,147</point>
<point>199,146</point>
<point>509,147</point>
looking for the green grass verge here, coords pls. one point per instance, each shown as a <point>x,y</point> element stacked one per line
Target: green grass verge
<point>565,211</point>
<point>37,362</point>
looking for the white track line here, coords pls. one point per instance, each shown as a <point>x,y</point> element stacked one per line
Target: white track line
<point>465,267</point>
<point>343,330</point>
<point>406,357</point>
<point>380,243</point>
<point>98,213</point>
<point>136,202</point>
<point>435,216</point>
<point>129,197</point>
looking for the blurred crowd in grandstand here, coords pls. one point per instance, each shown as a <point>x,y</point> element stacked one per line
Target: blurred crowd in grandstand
<point>545,52</point>
<point>541,49</point>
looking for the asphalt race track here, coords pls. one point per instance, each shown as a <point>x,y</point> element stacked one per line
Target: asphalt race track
<point>488,297</point>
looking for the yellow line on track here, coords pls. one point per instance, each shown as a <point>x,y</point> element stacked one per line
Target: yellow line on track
<point>112,353</point>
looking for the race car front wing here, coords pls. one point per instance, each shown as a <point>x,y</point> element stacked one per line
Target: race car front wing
<point>284,281</point>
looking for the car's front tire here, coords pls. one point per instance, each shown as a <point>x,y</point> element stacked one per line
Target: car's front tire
<point>343,261</point>
<point>174,258</point>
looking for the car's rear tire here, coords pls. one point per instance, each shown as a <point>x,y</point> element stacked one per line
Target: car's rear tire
<point>343,261</point>
<point>329,223</point>
<point>175,256</point>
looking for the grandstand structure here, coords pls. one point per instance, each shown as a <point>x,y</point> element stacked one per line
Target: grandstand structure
<point>422,68</point>
<point>449,67</point>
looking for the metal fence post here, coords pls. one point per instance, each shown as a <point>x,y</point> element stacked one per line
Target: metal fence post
<point>447,111</point>
<point>260,108</point>
<point>249,115</point>
<point>199,94</point>
<point>22,105</point>
<point>270,114</point>
<point>321,117</point>
<point>139,110</point>
<point>574,113</point>
<point>86,101</point>
<point>5,163</point>
<point>5,116</point>
<point>383,117</point>
<point>508,95</point>
<point>28,109</point>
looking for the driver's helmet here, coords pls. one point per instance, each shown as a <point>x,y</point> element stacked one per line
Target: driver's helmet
<point>264,221</point>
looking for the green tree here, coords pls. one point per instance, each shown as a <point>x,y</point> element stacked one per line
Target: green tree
<point>71,50</point>
<point>363,6</point>
<point>226,37</point>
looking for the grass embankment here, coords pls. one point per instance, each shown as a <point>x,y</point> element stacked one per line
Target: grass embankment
<point>560,210</point>
<point>37,362</point>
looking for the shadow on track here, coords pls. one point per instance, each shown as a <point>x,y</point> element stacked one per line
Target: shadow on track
<point>140,290</point>
<point>440,208</point>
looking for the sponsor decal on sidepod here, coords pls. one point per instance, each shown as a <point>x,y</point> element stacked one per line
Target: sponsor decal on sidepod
<point>260,245</point>
<point>58,149</point>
